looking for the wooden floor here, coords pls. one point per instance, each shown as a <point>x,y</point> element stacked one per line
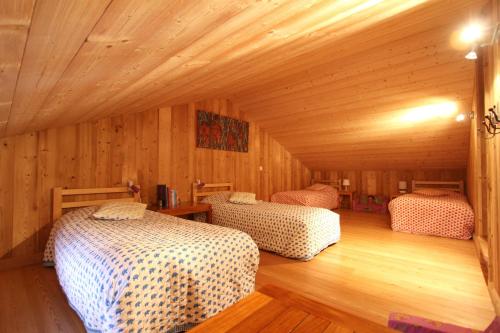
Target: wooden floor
<point>371,272</point>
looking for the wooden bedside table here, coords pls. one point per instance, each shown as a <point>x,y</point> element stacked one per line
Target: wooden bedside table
<point>188,208</point>
<point>349,195</point>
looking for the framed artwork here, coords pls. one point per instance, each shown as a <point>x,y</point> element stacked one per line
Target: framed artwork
<point>220,132</point>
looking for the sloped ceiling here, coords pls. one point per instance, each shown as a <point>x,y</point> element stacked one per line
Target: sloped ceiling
<point>331,80</point>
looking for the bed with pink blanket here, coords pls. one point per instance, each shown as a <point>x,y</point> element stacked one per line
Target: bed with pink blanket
<point>432,211</point>
<point>317,195</point>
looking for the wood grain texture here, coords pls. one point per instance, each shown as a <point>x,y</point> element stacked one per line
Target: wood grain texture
<point>328,80</point>
<point>371,272</point>
<point>15,19</point>
<point>151,147</point>
<point>374,271</point>
<point>385,182</point>
<point>483,167</point>
<point>305,315</point>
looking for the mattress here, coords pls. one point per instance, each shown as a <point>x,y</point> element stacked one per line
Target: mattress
<point>156,274</point>
<point>321,199</point>
<point>446,216</point>
<point>289,230</point>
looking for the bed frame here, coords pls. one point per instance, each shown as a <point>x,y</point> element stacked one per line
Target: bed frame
<point>209,189</point>
<point>335,183</point>
<point>58,195</point>
<point>456,186</point>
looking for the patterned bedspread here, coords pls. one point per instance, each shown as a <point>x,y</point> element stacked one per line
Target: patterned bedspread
<point>157,274</point>
<point>291,231</point>
<point>321,199</point>
<point>446,216</point>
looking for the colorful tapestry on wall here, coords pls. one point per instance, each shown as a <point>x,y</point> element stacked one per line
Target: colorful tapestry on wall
<point>220,132</point>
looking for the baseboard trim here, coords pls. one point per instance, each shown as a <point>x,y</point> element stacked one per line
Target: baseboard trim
<point>16,262</point>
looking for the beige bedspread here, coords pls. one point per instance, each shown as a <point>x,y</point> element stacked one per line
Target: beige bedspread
<point>289,230</point>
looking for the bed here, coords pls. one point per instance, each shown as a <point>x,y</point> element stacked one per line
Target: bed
<point>289,230</point>
<point>434,208</point>
<point>156,274</point>
<point>322,194</point>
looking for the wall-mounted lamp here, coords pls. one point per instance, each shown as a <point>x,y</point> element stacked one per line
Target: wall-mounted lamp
<point>472,34</point>
<point>472,55</point>
<point>462,116</point>
<point>491,121</point>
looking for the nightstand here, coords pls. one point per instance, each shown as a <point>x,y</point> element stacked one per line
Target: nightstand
<point>188,208</point>
<point>349,195</point>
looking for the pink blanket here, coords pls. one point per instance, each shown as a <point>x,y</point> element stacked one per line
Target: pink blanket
<point>326,198</point>
<point>446,216</point>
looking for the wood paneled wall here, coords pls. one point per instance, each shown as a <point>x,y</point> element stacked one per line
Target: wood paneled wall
<point>385,182</point>
<point>483,167</point>
<point>156,146</point>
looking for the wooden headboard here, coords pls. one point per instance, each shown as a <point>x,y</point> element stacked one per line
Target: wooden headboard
<point>457,186</point>
<point>209,189</point>
<point>332,182</point>
<point>58,194</point>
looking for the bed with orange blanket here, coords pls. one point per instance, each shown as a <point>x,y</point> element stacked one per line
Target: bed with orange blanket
<point>432,211</point>
<point>317,195</point>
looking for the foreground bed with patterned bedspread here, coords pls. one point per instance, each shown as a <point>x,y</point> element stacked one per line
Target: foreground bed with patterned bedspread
<point>438,213</point>
<point>291,231</point>
<point>156,274</point>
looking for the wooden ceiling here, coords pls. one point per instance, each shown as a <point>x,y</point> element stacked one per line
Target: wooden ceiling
<point>328,79</point>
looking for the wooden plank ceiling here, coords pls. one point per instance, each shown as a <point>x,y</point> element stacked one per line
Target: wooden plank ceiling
<point>330,80</point>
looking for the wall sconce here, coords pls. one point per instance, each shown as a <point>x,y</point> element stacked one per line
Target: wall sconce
<point>472,55</point>
<point>473,33</point>
<point>462,116</point>
<point>491,121</point>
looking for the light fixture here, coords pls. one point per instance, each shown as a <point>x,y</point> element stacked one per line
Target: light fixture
<point>473,35</point>
<point>472,32</point>
<point>445,109</point>
<point>346,183</point>
<point>402,186</point>
<point>472,55</point>
<point>460,117</point>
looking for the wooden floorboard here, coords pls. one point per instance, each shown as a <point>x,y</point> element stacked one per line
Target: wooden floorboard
<point>371,272</point>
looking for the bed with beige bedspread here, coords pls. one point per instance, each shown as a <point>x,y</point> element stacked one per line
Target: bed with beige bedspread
<point>289,230</point>
<point>155,274</point>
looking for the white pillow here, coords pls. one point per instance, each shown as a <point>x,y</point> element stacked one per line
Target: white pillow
<point>119,210</point>
<point>245,198</point>
<point>218,198</point>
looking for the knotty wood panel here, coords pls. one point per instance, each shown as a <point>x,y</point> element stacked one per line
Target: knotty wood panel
<point>484,152</point>
<point>15,18</point>
<point>317,64</point>
<point>280,171</point>
<point>385,182</point>
<point>151,147</point>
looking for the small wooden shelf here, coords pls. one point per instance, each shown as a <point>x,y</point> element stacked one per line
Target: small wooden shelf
<point>187,208</point>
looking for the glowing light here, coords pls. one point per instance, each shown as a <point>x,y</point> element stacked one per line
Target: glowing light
<point>471,33</point>
<point>431,111</point>
<point>460,117</point>
<point>472,55</point>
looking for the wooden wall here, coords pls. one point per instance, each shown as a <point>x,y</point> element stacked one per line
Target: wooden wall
<point>483,166</point>
<point>386,181</point>
<point>156,146</point>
